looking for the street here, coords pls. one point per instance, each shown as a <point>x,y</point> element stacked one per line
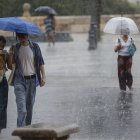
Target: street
<point>82,87</point>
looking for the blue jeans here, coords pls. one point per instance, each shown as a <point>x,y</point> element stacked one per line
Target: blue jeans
<point>25,97</point>
<point>3,102</point>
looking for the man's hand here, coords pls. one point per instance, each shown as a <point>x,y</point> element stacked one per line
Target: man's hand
<point>10,51</point>
<point>43,81</point>
<point>10,58</point>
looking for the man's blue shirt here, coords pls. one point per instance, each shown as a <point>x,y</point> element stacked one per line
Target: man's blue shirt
<point>38,59</point>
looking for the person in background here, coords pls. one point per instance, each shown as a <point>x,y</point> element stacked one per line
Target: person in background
<point>124,62</point>
<point>29,73</point>
<point>50,29</point>
<point>3,83</point>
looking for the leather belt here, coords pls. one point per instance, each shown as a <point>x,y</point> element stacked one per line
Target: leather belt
<point>30,76</point>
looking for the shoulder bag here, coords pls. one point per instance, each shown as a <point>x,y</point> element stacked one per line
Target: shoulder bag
<point>132,48</point>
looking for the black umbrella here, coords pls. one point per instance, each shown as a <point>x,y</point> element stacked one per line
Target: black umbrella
<point>45,10</point>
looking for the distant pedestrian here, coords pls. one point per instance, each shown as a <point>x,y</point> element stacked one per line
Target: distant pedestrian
<point>3,84</point>
<point>29,72</point>
<point>50,29</point>
<point>124,62</point>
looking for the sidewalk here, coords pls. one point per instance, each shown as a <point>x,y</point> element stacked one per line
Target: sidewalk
<point>74,60</point>
<point>82,87</point>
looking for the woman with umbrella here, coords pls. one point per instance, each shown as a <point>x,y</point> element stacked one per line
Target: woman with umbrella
<point>49,22</point>
<point>125,47</point>
<point>50,28</point>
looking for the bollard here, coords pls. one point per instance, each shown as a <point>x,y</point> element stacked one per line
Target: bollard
<point>42,131</point>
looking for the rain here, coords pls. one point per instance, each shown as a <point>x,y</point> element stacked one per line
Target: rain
<point>82,86</point>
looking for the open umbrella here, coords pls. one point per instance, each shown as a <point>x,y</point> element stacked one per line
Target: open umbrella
<point>46,10</point>
<point>121,26</point>
<point>18,25</point>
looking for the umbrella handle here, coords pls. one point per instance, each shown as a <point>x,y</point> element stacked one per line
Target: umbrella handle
<point>119,46</point>
<point>119,41</point>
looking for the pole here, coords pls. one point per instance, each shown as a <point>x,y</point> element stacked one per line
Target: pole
<point>93,26</point>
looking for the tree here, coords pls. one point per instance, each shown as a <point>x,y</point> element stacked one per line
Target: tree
<point>68,7</point>
<point>117,7</point>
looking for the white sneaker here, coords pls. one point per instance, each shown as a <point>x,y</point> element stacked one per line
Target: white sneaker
<point>122,91</point>
<point>130,90</point>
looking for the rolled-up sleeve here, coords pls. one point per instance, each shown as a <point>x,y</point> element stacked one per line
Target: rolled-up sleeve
<point>39,56</point>
<point>41,60</point>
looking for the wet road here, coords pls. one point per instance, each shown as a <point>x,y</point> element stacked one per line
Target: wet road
<point>82,88</point>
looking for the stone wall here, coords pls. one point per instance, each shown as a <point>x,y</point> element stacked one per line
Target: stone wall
<point>78,24</point>
<point>73,24</point>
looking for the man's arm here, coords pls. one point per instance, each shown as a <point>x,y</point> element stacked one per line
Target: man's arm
<point>10,58</point>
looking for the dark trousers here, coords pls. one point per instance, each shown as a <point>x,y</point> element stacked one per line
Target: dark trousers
<point>3,103</point>
<point>124,72</point>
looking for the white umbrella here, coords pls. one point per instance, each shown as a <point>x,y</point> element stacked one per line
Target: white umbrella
<point>121,26</point>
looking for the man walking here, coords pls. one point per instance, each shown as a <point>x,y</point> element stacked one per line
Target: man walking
<point>29,72</point>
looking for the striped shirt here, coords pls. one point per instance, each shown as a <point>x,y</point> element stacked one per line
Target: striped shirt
<point>49,25</point>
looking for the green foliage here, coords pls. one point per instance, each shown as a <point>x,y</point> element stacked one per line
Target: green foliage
<point>117,7</point>
<point>68,7</point>
<point>137,8</point>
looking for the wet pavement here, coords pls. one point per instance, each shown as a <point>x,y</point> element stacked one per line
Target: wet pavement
<point>82,88</point>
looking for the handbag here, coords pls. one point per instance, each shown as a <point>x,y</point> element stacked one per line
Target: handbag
<point>11,77</point>
<point>3,68</point>
<point>2,73</point>
<point>132,48</point>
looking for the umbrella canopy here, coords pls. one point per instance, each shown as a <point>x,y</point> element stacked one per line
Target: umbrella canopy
<point>45,10</point>
<point>121,26</point>
<point>18,25</point>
